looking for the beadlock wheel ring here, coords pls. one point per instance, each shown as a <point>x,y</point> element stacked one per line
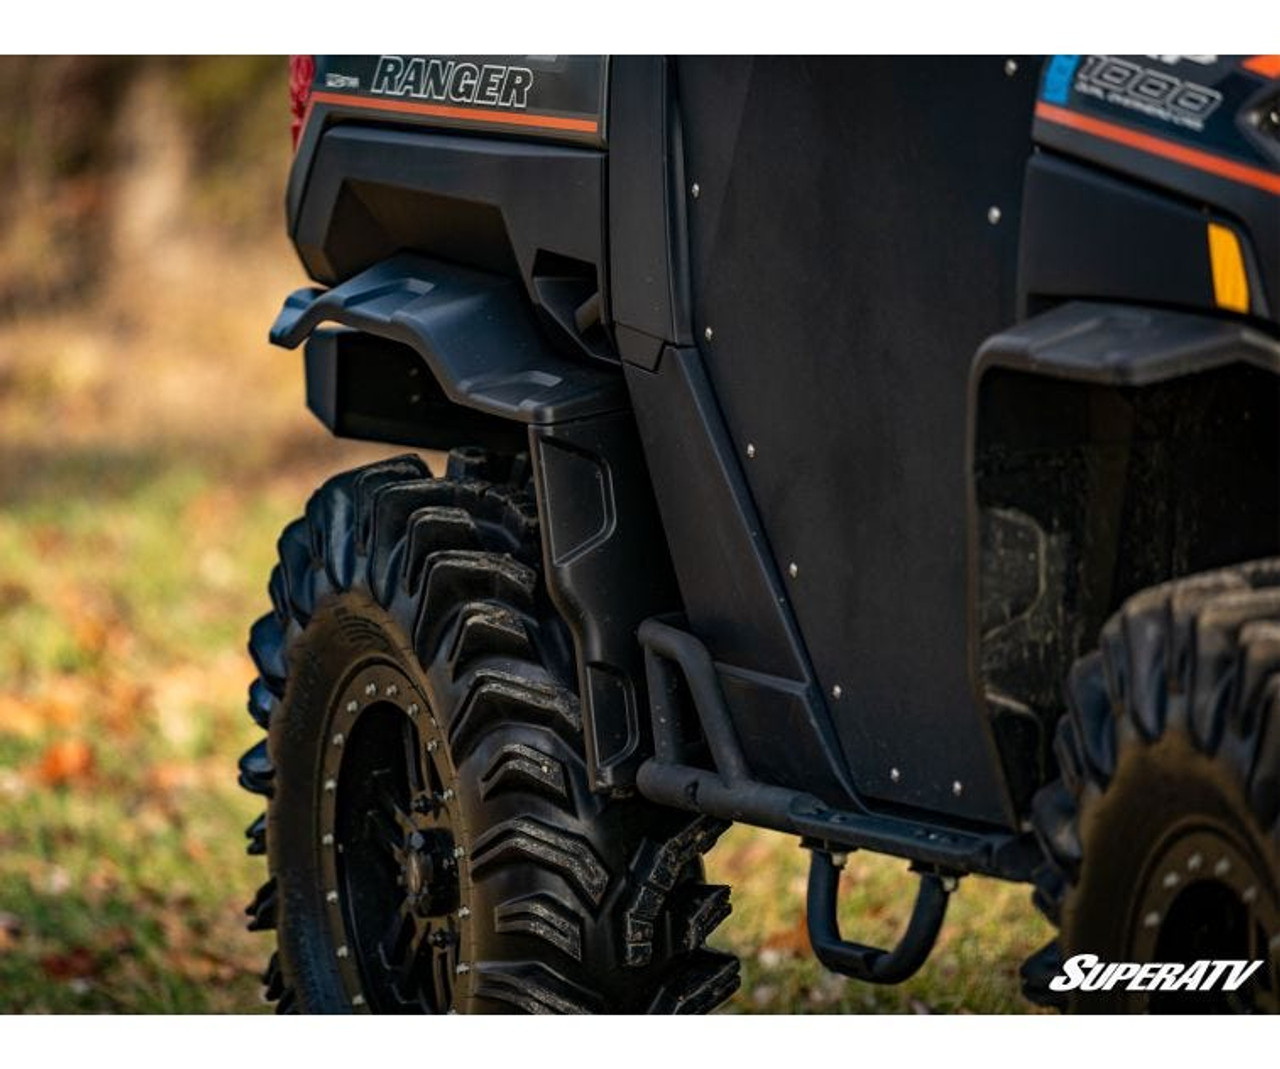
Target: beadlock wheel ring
<point>1203,896</point>
<point>392,868</point>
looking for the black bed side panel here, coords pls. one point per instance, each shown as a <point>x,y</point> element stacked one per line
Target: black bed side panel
<point>853,242</point>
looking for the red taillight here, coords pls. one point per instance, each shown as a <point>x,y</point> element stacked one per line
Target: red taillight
<point>302,72</point>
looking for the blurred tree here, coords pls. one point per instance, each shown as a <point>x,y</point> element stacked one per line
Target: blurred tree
<point>89,144</point>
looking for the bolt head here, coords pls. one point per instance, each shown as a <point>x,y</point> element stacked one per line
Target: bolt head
<point>343,952</point>
<point>837,692</point>
<point>338,739</point>
<point>463,967</point>
<point>751,451</point>
<point>1151,920</point>
<point>413,709</point>
<point>447,794</point>
<point>459,852</point>
<point>696,190</point>
<point>357,1000</point>
<point>895,775</point>
<point>1011,67</point>
<point>708,333</point>
<point>371,689</point>
<point>957,788</point>
<point>433,746</point>
<point>330,785</point>
<point>353,706</point>
<point>326,839</point>
<point>793,569</point>
<point>463,912</point>
<point>993,215</point>
<point>331,896</point>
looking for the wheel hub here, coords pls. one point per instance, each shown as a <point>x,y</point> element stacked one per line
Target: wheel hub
<point>430,875</point>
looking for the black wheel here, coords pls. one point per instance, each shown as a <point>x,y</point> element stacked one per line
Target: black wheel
<point>1163,833</point>
<point>432,841</point>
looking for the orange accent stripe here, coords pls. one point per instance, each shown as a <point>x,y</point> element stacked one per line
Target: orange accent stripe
<point>1267,66</point>
<point>447,111</point>
<point>1267,181</point>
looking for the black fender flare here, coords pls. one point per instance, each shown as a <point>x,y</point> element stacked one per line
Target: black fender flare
<point>1095,431</point>
<point>495,380</point>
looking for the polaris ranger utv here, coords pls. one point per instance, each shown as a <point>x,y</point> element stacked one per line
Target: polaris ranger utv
<point>883,451</point>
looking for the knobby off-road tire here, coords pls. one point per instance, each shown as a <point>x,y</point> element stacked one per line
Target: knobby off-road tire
<point>431,838</point>
<point>1163,833</point>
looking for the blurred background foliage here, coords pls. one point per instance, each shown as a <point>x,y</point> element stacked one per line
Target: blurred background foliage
<point>152,446</point>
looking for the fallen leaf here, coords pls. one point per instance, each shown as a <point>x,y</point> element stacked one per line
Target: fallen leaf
<point>78,962</point>
<point>19,717</point>
<point>793,940</point>
<point>10,930</point>
<point>65,761</point>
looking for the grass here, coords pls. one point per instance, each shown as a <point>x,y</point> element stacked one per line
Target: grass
<point>150,452</point>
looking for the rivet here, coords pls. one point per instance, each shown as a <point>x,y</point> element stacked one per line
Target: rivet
<point>463,967</point>
<point>413,709</point>
<point>463,912</point>
<point>1249,894</point>
<point>1170,880</point>
<point>392,690</point>
<point>459,852</point>
<point>352,706</point>
<point>1011,67</point>
<point>546,770</point>
<point>696,190</point>
<point>957,788</point>
<point>338,739</point>
<point>330,785</point>
<point>1222,867</point>
<point>837,692</point>
<point>793,569</point>
<point>751,451</point>
<point>343,951</point>
<point>433,746</point>
<point>326,839</point>
<point>894,775</point>
<point>1194,862</point>
<point>357,1000</point>
<point>1151,920</point>
<point>708,333</point>
<point>331,896</point>
<point>371,689</point>
<point>993,215</point>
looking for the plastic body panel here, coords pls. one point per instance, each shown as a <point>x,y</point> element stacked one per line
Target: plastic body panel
<point>1217,155</point>
<point>600,522</point>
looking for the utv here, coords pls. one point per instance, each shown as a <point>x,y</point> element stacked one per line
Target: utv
<point>883,451</point>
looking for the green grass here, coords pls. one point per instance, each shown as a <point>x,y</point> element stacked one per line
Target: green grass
<point>128,588</point>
